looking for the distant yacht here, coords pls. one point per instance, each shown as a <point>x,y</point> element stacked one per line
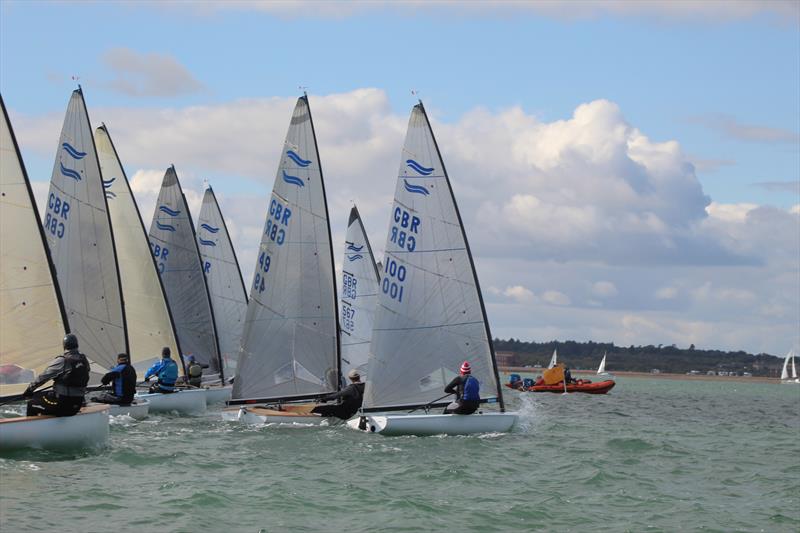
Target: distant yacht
<point>785,377</point>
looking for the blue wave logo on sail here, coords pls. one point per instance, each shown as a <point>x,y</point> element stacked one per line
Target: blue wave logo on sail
<point>351,246</point>
<point>165,227</point>
<point>207,227</point>
<point>110,194</point>
<point>107,184</point>
<point>418,168</point>
<point>207,243</point>
<point>167,210</point>
<point>354,257</point>
<point>416,189</point>
<point>294,180</point>
<point>70,173</point>
<point>297,159</point>
<point>72,151</point>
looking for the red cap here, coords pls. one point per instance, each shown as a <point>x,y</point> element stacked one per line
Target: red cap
<point>465,368</point>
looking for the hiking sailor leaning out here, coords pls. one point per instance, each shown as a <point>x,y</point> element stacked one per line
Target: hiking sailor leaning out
<point>70,375</point>
<point>467,391</point>
<point>166,370</point>
<point>350,399</point>
<point>123,383</point>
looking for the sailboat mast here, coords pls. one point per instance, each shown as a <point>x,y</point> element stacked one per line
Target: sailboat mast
<point>330,251</point>
<point>144,233</point>
<point>110,229</point>
<point>471,263</point>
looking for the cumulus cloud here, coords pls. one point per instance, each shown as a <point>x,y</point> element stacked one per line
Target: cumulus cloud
<point>583,221</point>
<point>153,74</point>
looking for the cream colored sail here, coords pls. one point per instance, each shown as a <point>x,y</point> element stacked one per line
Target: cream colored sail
<point>32,321</point>
<point>150,325</point>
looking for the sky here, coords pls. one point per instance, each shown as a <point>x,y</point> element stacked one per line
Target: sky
<point>627,172</point>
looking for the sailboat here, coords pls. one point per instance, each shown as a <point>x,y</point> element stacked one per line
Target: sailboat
<point>290,345</point>
<point>33,319</point>
<point>785,377</point>
<point>173,243</point>
<point>225,287</point>
<point>601,370</point>
<point>430,315</point>
<point>358,297</point>
<point>554,359</point>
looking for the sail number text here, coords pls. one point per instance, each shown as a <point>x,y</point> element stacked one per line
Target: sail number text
<point>160,253</point>
<point>281,215</point>
<point>349,284</point>
<point>404,226</point>
<point>53,221</point>
<point>348,317</point>
<point>392,283</point>
<point>260,282</point>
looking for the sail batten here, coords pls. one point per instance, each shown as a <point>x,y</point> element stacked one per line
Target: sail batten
<point>32,315</point>
<point>173,242</point>
<point>290,344</point>
<point>430,315</point>
<point>81,242</point>
<point>150,325</point>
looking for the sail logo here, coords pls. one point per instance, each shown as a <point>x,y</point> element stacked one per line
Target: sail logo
<point>68,172</point>
<point>167,210</point>
<point>353,247</point>
<point>72,151</point>
<point>416,167</point>
<point>165,227</point>
<point>354,257</point>
<point>416,189</point>
<point>107,185</point>
<point>206,243</point>
<point>294,180</point>
<point>209,228</point>
<point>291,154</point>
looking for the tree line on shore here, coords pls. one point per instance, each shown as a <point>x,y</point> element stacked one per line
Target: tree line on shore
<point>668,359</point>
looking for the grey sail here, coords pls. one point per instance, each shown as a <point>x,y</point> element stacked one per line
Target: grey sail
<point>32,317</point>
<point>149,322</point>
<point>358,296</point>
<point>224,280</point>
<point>78,231</point>
<point>430,315</point>
<point>173,244</point>
<point>290,346</point>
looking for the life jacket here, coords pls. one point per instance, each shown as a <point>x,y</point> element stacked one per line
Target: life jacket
<point>73,380</point>
<point>195,370</point>
<point>471,389</point>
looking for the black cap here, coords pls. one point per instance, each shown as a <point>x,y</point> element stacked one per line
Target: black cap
<point>70,342</point>
<point>165,352</point>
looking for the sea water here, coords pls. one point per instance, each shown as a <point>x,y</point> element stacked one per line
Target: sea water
<point>653,455</point>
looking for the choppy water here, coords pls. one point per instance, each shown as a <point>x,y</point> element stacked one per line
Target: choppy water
<point>654,455</point>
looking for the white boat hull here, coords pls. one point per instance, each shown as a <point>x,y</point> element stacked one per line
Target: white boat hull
<point>436,424</point>
<point>87,429</point>
<point>189,401</point>
<point>139,409</point>
<point>259,416</point>
<point>215,395</point>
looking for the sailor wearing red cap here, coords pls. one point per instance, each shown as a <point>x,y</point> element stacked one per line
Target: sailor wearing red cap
<point>467,391</point>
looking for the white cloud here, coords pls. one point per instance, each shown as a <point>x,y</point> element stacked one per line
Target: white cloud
<point>150,74</point>
<point>557,204</point>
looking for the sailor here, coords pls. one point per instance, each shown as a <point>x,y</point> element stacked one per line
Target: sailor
<point>70,375</point>
<point>166,370</point>
<point>195,371</point>
<point>467,391</point>
<point>123,379</point>
<point>349,398</point>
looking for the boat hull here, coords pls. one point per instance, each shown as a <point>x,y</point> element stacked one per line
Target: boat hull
<point>436,424</point>
<point>216,394</point>
<point>287,414</point>
<point>87,429</point>
<point>600,387</point>
<point>184,402</point>
<point>139,409</point>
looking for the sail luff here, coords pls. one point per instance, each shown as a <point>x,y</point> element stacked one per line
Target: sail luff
<point>235,257</point>
<point>785,370</point>
<point>130,258</point>
<point>471,264</point>
<point>794,369</point>
<point>602,368</point>
<point>42,331</point>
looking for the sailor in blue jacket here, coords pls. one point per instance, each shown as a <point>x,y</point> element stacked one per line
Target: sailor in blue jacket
<point>123,380</point>
<point>467,391</point>
<point>167,372</point>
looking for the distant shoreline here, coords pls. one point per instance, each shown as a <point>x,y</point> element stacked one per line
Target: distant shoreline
<point>661,375</point>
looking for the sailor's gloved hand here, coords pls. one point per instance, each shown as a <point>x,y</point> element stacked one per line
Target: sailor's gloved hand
<point>147,379</point>
<point>28,392</point>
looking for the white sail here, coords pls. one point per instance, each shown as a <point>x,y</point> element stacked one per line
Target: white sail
<point>785,370</point>
<point>149,323</point>
<point>173,244</point>
<point>554,359</point>
<point>794,369</point>
<point>78,231</point>
<point>602,368</point>
<point>430,315</point>
<point>358,296</point>
<point>32,319</point>
<point>224,280</point>
<point>290,346</point>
